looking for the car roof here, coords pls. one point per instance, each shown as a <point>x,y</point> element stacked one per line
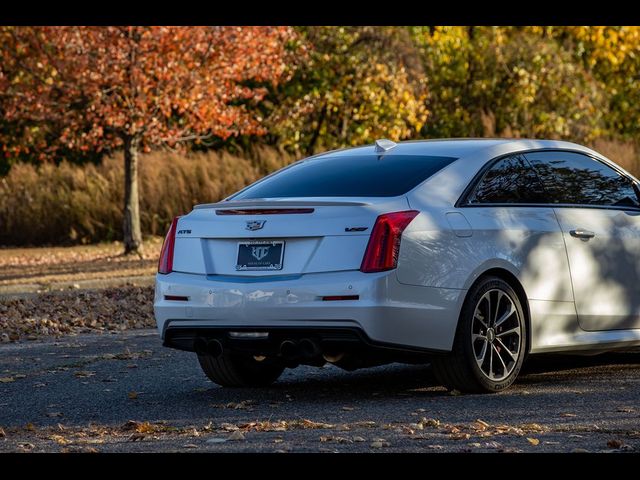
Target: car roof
<point>455,147</point>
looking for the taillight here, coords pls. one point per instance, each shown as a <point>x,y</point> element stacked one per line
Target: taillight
<point>384,243</point>
<point>165,264</point>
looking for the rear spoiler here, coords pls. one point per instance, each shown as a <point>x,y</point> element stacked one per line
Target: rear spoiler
<point>278,203</point>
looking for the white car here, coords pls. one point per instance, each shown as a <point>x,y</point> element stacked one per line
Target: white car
<point>468,254</point>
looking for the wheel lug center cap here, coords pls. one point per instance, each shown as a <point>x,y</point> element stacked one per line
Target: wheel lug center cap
<point>491,335</point>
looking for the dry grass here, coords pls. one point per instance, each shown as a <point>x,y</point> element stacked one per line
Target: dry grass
<point>78,205</point>
<point>69,204</point>
<point>624,154</point>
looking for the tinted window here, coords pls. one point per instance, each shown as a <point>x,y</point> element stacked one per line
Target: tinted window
<point>578,179</point>
<point>348,176</point>
<point>510,180</point>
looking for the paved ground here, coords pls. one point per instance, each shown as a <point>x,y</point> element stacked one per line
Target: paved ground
<point>124,392</point>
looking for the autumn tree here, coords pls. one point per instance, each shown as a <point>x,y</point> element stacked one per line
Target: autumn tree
<point>136,88</point>
<point>507,81</point>
<point>612,53</point>
<point>355,84</point>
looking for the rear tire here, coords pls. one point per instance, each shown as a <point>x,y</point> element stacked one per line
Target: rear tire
<point>230,370</point>
<point>490,343</point>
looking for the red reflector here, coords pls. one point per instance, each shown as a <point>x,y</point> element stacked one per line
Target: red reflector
<point>176,298</point>
<point>384,243</point>
<point>333,298</point>
<point>264,211</point>
<point>165,263</point>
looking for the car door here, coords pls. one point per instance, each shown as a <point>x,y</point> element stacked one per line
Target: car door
<point>599,213</point>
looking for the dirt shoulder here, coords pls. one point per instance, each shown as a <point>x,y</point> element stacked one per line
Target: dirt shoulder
<point>71,290</point>
<point>35,270</point>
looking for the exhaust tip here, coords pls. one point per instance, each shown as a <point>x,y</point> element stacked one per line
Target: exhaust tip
<point>309,348</point>
<point>203,346</point>
<point>214,348</point>
<point>333,357</point>
<point>289,349</point>
<point>200,346</point>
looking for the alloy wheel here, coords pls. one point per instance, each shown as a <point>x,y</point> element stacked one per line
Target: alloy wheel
<point>496,331</point>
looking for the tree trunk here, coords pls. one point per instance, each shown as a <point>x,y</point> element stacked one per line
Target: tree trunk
<point>131,226</point>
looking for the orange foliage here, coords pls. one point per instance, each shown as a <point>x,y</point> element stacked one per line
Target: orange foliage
<point>158,85</point>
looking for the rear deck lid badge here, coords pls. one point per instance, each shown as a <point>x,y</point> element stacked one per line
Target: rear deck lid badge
<point>255,224</point>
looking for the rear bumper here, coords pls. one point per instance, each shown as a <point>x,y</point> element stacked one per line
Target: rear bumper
<point>387,312</point>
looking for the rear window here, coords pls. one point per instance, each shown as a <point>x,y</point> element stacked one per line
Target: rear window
<point>348,176</point>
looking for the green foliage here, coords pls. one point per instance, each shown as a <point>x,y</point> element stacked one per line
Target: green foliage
<point>506,81</point>
<point>356,84</point>
<point>612,54</point>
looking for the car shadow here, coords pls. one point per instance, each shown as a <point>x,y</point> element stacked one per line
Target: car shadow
<point>398,380</point>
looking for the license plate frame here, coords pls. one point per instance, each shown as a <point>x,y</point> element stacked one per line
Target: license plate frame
<point>249,256</point>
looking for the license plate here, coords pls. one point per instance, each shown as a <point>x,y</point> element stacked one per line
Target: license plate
<point>260,255</point>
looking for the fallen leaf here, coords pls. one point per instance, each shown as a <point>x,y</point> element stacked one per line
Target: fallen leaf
<point>59,439</point>
<point>84,373</point>
<point>134,437</point>
<point>482,423</point>
<point>348,409</point>
<point>30,427</point>
<point>615,443</point>
<point>20,375</point>
<point>2,434</point>
<point>311,424</point>
<point>359,439</point>
<point>365,423</point>
<point>190,445</point>
<point>567,414</point>
<point>133,395</point>
<point>533,441</point>
<point>532,427</point>
<point>6,379</point>
<point>54,414</point>
<point>430,422</point>
<point>229,427</point>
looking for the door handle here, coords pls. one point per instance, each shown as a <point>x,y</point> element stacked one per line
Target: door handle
<point>579,233</point>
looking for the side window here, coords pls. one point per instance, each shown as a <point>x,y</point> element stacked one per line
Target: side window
<point>575,178</point>
<point>510,180</point>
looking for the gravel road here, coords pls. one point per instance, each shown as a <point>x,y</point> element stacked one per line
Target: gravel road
<point>125,392</point>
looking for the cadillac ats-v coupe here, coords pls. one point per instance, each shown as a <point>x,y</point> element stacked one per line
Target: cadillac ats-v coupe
<point>466,254</point>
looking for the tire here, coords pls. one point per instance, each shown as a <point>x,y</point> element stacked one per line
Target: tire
<point>468,368</point>
<point>230,370</point>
